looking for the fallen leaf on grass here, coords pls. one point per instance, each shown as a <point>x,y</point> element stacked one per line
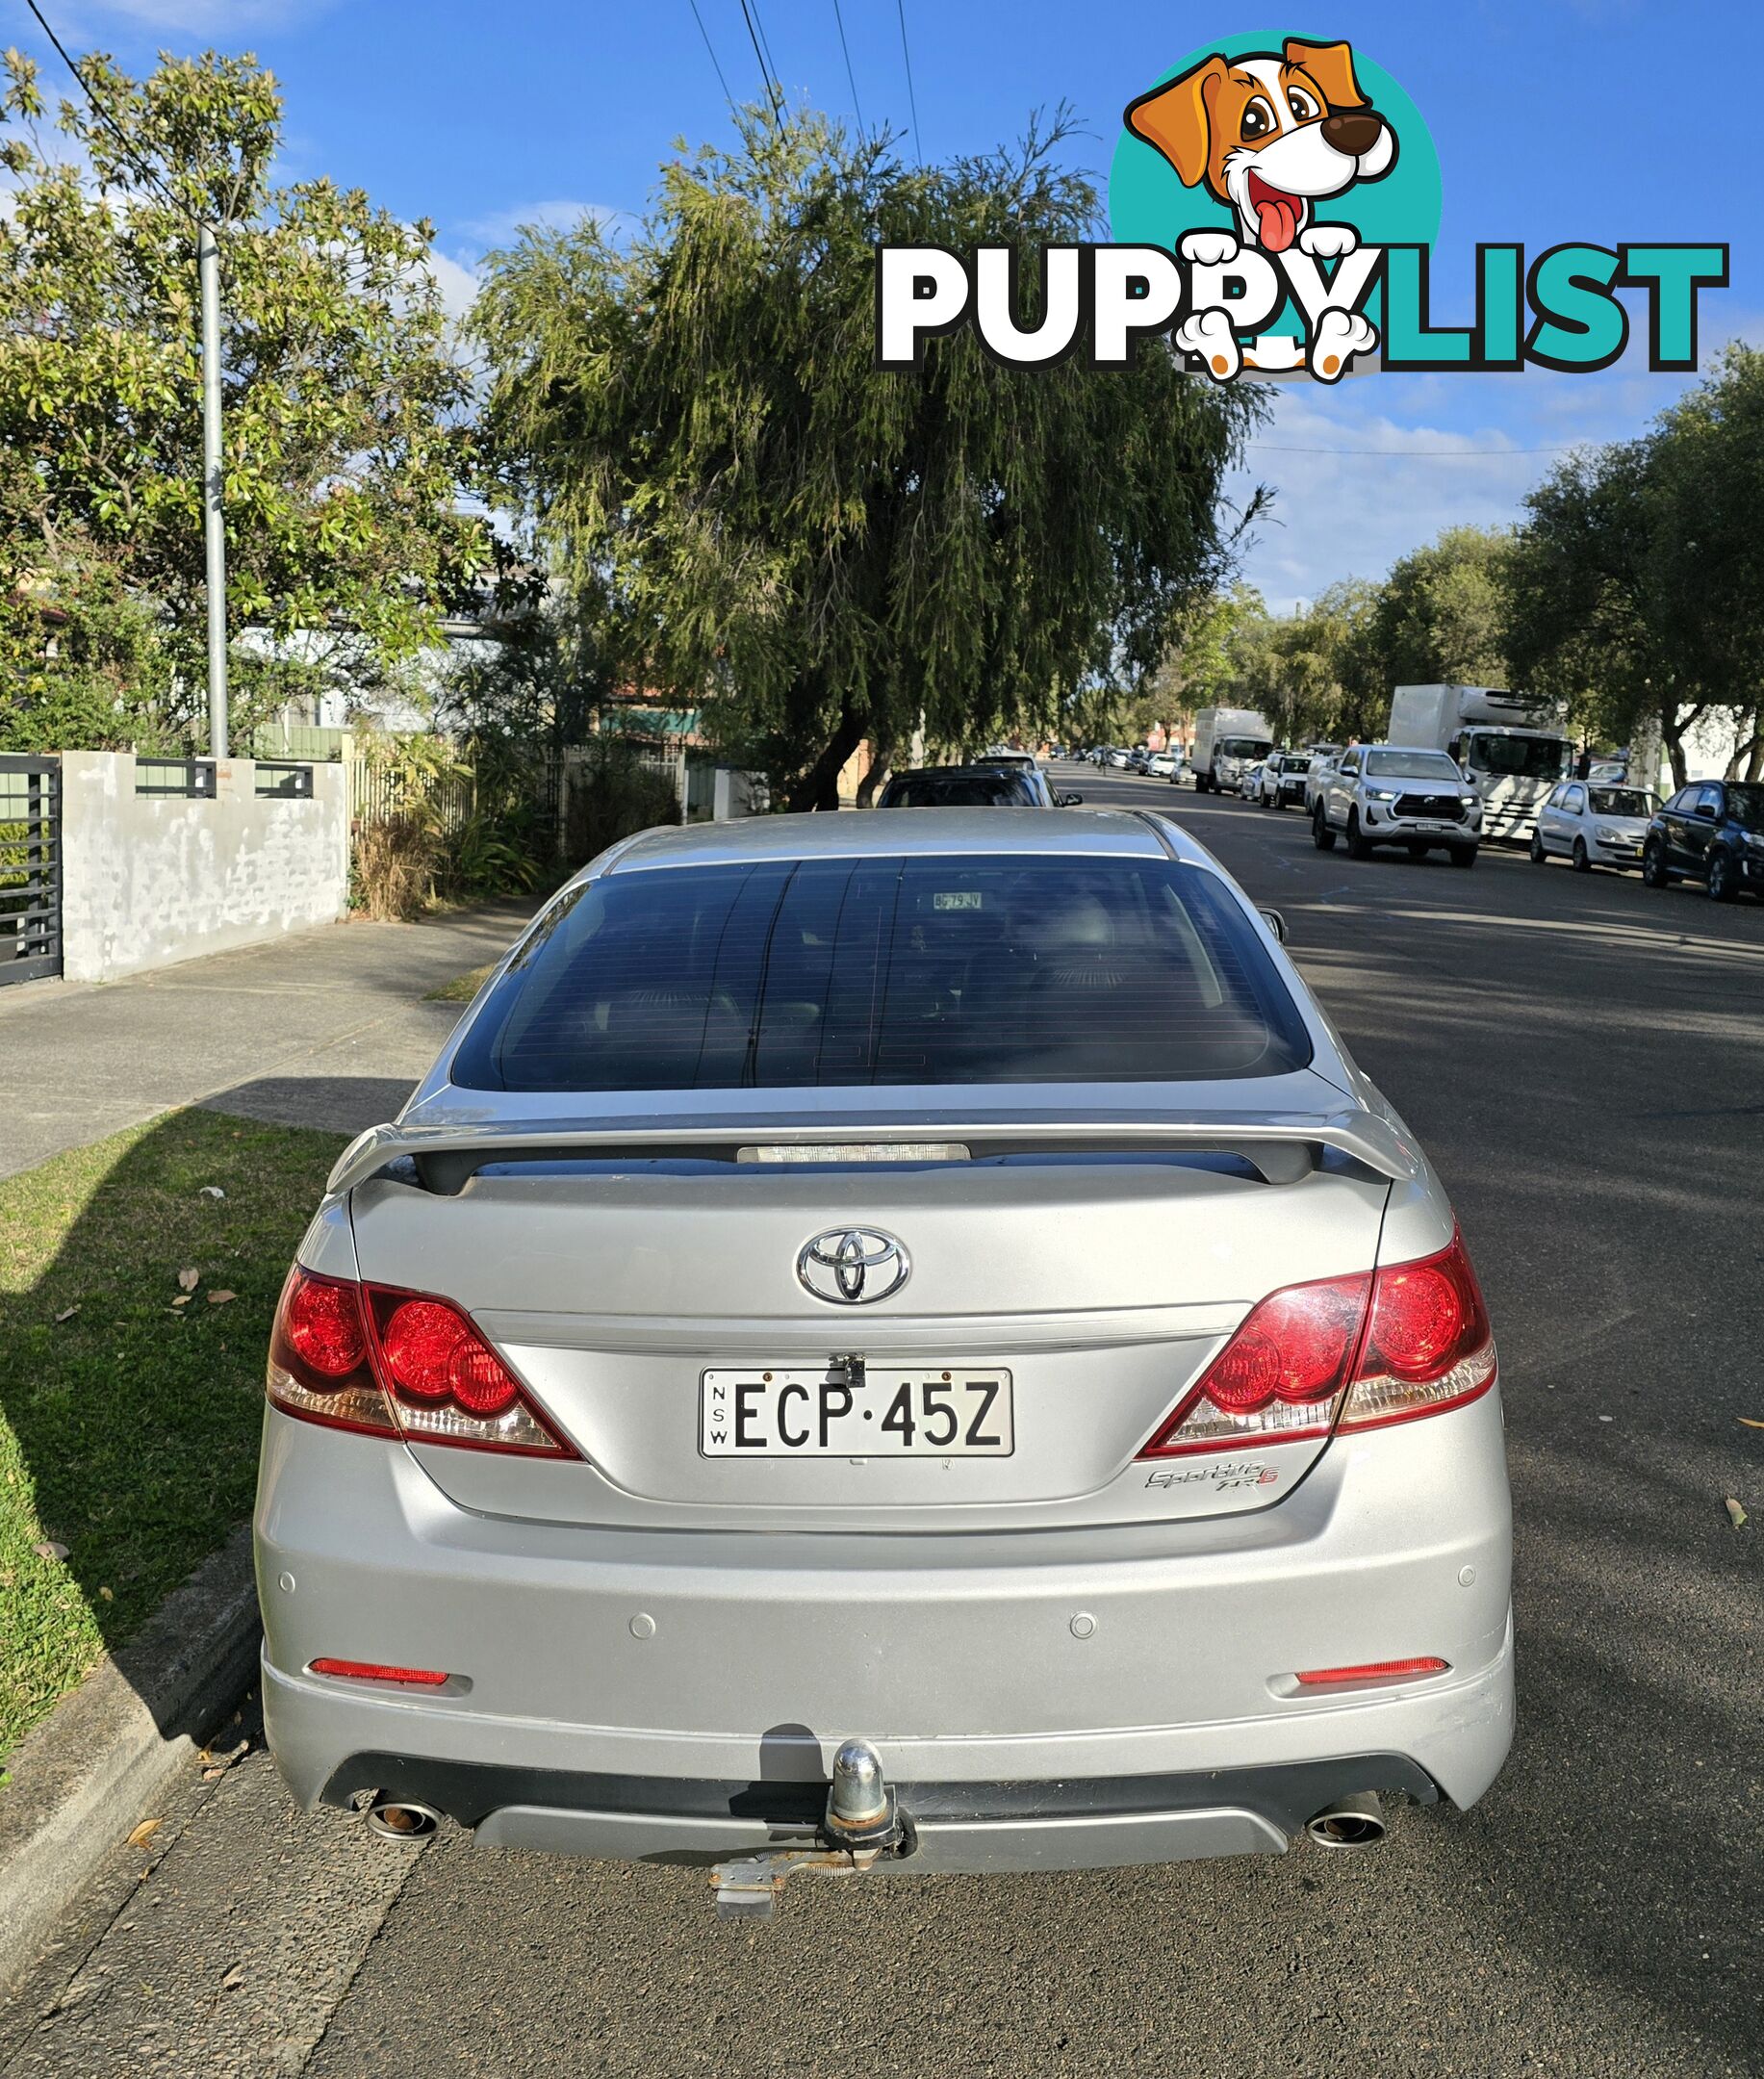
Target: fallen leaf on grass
<point>182,1299</point>
<point>214,1191</point>
<point>50,1549</point>
<point>69,1312</point>
<point>143,1832</point>
<point>221,1298</point>
<point>189,1278</point>
<point>106,1595</point>
<point>1736,1512</point>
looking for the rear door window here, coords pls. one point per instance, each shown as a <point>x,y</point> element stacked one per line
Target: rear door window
<point>967,969</point>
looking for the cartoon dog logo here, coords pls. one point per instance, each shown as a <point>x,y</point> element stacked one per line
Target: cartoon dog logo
<point>1269,135</point>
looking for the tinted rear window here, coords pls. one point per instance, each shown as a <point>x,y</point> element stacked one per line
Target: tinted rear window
<point>961,790</point>
<point>840,972</point>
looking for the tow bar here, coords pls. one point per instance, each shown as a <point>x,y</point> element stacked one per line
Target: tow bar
<point>862,1825</point>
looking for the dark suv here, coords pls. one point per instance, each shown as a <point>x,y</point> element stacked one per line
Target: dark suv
<point>1711,831</point>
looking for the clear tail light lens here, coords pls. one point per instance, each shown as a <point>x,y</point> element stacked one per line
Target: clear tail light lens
<point>394,1363</point>
<point>1352,1353</point>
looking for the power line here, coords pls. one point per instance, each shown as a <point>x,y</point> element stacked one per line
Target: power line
<point>900,8</point>
<point>109,121</point>
<point>850,76</point>
<point>765,70</point>
<point>712,49</point>
<point>1417,454</point>
<point>766,43</point>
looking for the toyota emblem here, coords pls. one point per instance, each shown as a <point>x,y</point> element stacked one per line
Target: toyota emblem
<point>853,1266</point>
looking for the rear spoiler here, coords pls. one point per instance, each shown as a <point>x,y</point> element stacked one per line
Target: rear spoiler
<point>1284,1147</point>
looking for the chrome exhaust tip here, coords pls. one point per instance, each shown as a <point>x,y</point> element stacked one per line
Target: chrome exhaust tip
<point>401,1819</point>
<point>1350,1822</point>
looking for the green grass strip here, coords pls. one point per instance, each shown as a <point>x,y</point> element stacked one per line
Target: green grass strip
<point>128,1424</point>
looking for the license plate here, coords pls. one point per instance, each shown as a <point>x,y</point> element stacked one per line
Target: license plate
<point>882,1414</point>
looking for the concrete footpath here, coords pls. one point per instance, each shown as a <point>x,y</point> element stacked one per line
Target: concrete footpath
<point>323,1028</point>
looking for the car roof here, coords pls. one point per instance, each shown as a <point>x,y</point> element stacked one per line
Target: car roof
<point>1078,833</point>
<point>987,767</point>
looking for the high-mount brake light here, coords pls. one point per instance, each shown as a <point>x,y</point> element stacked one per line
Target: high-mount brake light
<point>371,1358</point>
<point>414,1678</point>
<point>1312,1358</point>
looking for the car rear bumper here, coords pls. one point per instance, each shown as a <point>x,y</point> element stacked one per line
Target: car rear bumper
<point>994,1672</point>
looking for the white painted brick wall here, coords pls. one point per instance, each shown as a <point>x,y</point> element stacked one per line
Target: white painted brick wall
<point>147,881</point>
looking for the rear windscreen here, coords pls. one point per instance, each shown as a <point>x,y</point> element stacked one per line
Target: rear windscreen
<point>960,790</point>
<point>918,970</point>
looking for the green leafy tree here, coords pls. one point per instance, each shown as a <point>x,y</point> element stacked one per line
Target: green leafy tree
<point>1706,544</point>
<point>1439,617</point>
<point>807,548</point>
<point>345,405</point>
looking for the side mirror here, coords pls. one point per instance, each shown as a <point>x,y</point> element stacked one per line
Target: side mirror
<point>1275,923</point>
<point>1071,801</point>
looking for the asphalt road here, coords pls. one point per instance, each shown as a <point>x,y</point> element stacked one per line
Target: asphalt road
<point>1581,1057</point>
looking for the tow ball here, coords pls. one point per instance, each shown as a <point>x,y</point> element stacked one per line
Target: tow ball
<point>862,1825</point>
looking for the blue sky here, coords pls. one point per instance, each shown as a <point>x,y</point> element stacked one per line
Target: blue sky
<point>1598,119</point>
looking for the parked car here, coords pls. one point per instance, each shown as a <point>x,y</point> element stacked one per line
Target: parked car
<point>686,1441</point>
<point>1283,778</point>
<point>1390,794</point>
<point>973,787</point>
<point>1118,759</point>
<point>1324,758</point>
<point>1164,766</point>
<point>1592,825</point>
<point>1004,755</point>
<point>1711,831</point>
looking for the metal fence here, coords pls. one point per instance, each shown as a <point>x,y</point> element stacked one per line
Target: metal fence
<point>378,792</point>
<point>182,778</point>
<point>284,781</point>
<point>30,868</point>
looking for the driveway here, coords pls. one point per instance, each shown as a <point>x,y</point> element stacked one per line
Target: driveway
<point>325,1028</point>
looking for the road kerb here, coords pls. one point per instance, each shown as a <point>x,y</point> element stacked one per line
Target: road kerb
<point>91,1772</point>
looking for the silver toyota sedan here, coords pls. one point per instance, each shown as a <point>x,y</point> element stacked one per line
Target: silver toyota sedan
<point>888,1342</point>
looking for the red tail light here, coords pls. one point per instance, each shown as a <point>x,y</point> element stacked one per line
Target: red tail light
<point>371,1358</point>
<point>1426,1347</point>
<point>319,1364</point>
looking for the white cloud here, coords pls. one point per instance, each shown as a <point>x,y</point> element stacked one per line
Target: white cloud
<point>208,17</point>
<point>459,283</point>
<point>1340,512</point>
<point>1353,493</point>
<point>500,227</point>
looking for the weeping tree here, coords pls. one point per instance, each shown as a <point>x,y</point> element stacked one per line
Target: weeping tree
<point>806,549</point>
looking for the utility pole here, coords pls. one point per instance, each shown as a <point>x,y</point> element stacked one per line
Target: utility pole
<point>214,526</point>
